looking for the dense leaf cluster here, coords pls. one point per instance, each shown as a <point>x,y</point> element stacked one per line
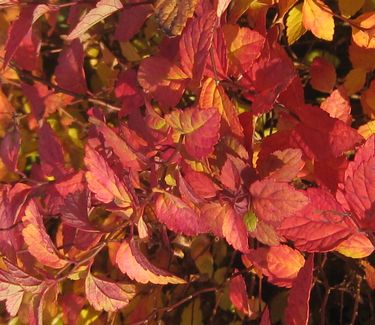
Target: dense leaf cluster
<point>187,162</point>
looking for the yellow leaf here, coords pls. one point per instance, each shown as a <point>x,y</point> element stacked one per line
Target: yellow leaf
<point>356,246</point>
<point>363,36</point>
<point>367,130</point>
<point>349,7</point>
<point>294,25</point>
<point>318,18</point>
<point>355,81</point>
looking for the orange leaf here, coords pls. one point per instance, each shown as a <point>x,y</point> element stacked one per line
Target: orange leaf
<point>363,34</point>
<point>39,243</point>
<point>280,264</point>
<point>370,274</point>
<point>337,105</point>
<point>318,18</point>
<point>356,246</point>
<point>214,95</point>
<point>132,262</point>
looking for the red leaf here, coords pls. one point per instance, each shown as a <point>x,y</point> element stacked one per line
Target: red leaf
<point>238,294</point>
<point>323,75</point>
<point>266,318</point>
<point>163,79</point>
<point>36,95</point>
<point>103,180</point>
<point>244,46</point>
<point>104,8</point>
<point>279,263</point>
<point>217,63</point>
<point>320,226</point>
<point>201,183</point>
<point>21,27</point>
<point>27,54</point>
<point>107,295</point>
<point>9,149</point>
<point>127,156</point>
<point>200,127</point>
<point>69,71</point>
<point>39,243</point>
<point>131,20</point>
<point>195,44</point>
<point>177,215</point>
<point>274,201</point>
<point>360,184</point>
<point>297,310</point>
<point>132,262</point>
<point>230,175</point>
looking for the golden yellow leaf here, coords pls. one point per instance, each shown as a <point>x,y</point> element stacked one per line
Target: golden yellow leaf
<point>172,15</point>
<point>363,30</point>
<point>294,25</point>
<point>349,7</point>
<point>318,18</point>
<point>367,130</point>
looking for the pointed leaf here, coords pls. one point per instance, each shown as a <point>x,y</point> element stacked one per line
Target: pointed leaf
<point>39,243</point>
<point>69,71</point>
<point>195,44</point>
<point>323,75</point>
<point>132,262</point>
<point>103,181</point>
<point>238,294</point>
<point>297,310</point>
<point>107,295</point>
<point>9,149</point>
<point>104,8</point>
<point>318,18</point>
<point>177,215</point>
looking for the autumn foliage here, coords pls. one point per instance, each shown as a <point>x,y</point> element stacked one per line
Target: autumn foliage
<point>187,162</point>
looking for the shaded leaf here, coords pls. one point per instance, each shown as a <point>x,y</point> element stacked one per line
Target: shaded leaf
<point>69,71</point>
<point>172,15</point>
<point>238,294</point>
<point>9,149</point>
<point>297,310</point>
<point>38,241</point>
<point>323,75</point>
<point>104,8</point>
